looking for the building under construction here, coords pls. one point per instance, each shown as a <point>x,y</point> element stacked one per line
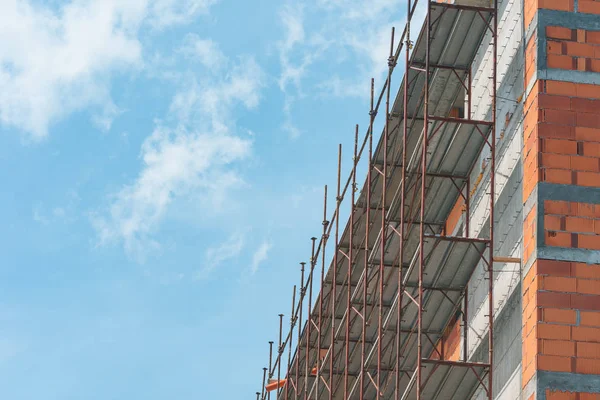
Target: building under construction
<point>469,266</point>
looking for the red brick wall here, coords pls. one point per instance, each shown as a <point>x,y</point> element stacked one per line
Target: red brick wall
<point>561,135</point>
<point>573,49</point>
<point>561,395</point>
<point>570,224</point>
<point>561,317</point>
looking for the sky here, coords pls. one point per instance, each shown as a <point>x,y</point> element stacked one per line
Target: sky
<point>163,164</point>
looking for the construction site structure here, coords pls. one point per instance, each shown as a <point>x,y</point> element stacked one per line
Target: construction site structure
<point>469,267</point>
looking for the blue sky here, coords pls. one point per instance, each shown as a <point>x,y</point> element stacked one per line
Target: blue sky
<point>163,164</point>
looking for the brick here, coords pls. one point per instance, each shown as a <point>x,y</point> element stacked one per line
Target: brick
<point>594,65</point>
<point>587,286</point>
<point>591,149</point>
<point>584,210</point>
<point>558,239</point>
<point>587,120</point>
<point>587,134</point>
<point>554,363</point>
<point>586,334</point>
<point>554,268</point>
<point>554,47</point>
<point>555,131</point>
<point>554,175</point>
<point>562,5</point>
<point>589,7</point>
<point>580,163</point>
<point>558,348</point>
<point>528,372</point>
<point>591,242</point>
<point>575,224</point>
<point>587,366</point>
<point>560,161</point>
<point>555,102</point>
<point>557,32</point>
<point>559,284</point>
<point>561,62</point>
<point>589,318</point>
<point>590,179</point>
<point>560,395</point>
<point>585,105</point>
<point>557,146</point>
<point>580,49</point>
<point>588,350</point>
<point>561,88</point>
<point>555,300</point>
<point>557,207</point>
<point>531,346</point>
<point>553,331</point>
<point>591,36</point>
<point>552,222</point>
<point>561,117</point>
<point>559,316</point>
<point>587,90</point>
<point>582,270</point>
<point>588,396</point>
<point>585,302</point>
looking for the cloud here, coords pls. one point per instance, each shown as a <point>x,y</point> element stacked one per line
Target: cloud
<point>176,162</point>
<point>206,51</point>
<point>57,61</point>
<point>260,255</point>
<point>348,45</point>
<point>197,151</point>
<point>165,13</point>
<point>215,256</point>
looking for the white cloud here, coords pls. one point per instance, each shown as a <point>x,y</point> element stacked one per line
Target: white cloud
<point>292,20</point>
<point>206,51</point>
<point>351,36</point>
<point>175,163</point>
<point>57,61</point>
<point>197,154</point>
<point>170,12</point>
<point>260,255</point>
<point>215,256</point>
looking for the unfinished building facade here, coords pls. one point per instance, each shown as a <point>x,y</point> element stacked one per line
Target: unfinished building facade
<point>469,266</point>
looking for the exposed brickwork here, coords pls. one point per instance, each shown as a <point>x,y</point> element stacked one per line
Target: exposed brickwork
<point>571,224</point>
<point>561,145</point>
<point>561,318</point>
<point>562,135</point>
<point>573,49</point>
<point>560,395</point>
<point>449,347</point>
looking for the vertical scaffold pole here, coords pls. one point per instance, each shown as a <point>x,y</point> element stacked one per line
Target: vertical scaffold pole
<point>422,211</point>
<point>290,341</point>
<point>407,46</point>
<point>350,259</point>
<point>310,322</point>
<point>262,396</point>
<point>299,322</point>
<point>270,375</point>
<point>492,201</point>
<point>383,235</point>
<point>320,324</point>
<point>365,282</point>
<point>338,200</point>
<point>279,353</point>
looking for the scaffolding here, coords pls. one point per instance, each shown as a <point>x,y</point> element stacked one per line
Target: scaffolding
<point>397,279</point>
